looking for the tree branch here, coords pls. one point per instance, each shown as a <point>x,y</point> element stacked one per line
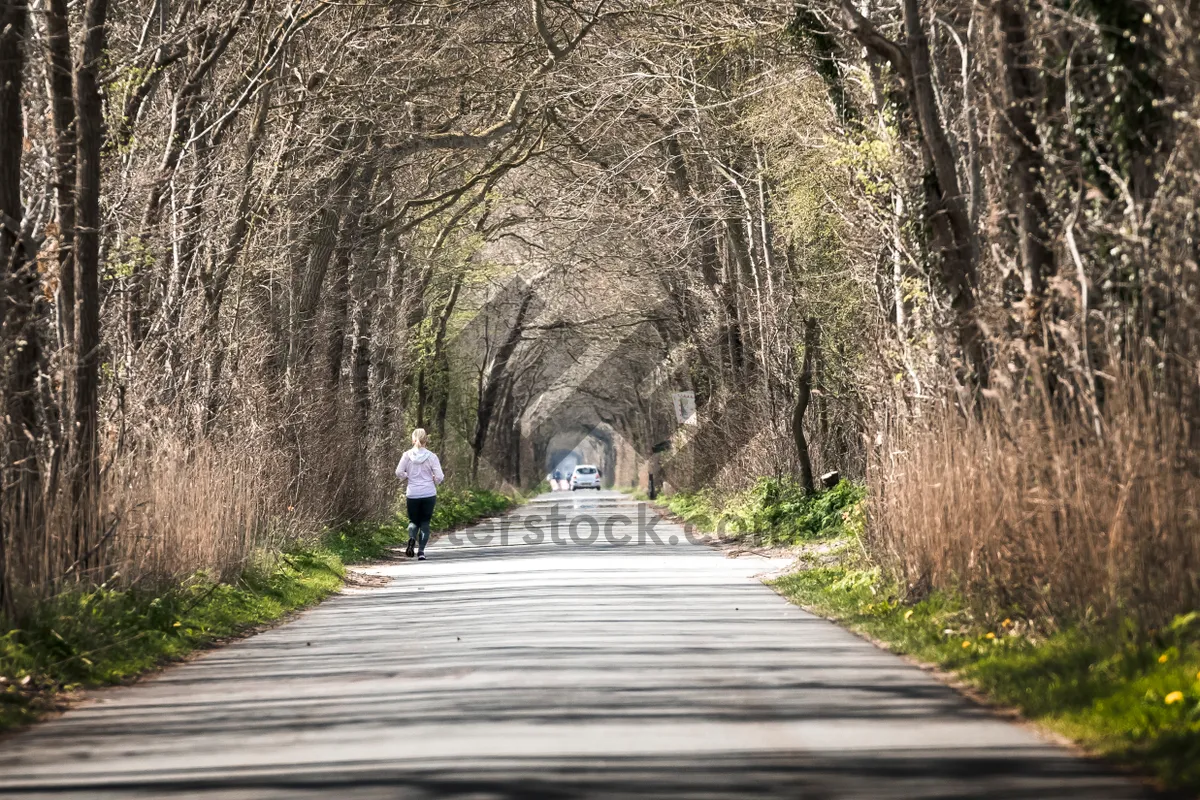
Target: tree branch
<point>869,37</point>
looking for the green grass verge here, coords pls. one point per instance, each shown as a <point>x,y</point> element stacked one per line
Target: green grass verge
<point>463,506</point>
<point>103,636</point>
<point>370,541</point>
<point>1129,695</point>
<point>109,635</point>
<point>775,511</point>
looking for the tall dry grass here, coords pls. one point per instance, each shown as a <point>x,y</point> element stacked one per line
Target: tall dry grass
<point>1028,508</point>
<point>172,508</point>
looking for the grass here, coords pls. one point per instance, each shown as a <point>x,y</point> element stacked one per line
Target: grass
<point>775,511</point>
<point>370,541</point>
<point>111,634</point>
<point>463,506</point>
<point>1128,695</point>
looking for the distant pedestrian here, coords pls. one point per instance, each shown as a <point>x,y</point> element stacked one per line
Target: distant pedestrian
<point>421,468</point>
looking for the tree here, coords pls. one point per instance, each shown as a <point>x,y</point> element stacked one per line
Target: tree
<point>19,469</point>
<point>804,388</point>
<point>90,139</point>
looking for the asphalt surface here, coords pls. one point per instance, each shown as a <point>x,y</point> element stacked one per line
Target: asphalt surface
<point>506,667</point>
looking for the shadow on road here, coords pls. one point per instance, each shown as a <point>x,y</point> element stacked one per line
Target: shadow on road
<point>548,671</point>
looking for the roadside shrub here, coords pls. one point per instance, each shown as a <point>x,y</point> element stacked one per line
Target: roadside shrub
<point>776,511</point>
<point>696,508</point>
<point>461,506</point>
<point>779,511</point>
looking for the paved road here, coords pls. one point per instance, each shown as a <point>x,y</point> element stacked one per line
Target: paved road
<point>546,670</point>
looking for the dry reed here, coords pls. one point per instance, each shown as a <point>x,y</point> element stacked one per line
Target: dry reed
<point>172,509</point>
<point>1027,509</point>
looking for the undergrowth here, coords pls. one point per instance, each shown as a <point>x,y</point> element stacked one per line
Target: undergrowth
<point>462,506</point>
<point>369,541</point>
<point>775,511</point>
<point>109,635</point>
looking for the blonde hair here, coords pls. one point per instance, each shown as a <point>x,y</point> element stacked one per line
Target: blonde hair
<point>419,437</point>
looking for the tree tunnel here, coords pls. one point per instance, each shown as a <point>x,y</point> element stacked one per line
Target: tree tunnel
<point>566,449</point>
<point>594,412</point>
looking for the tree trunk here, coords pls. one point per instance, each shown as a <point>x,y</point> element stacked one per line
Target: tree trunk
<point>19,469</point>
<point>312,264</point>
<point>1021,94</point>
<point>946,211</point>
<point>60,74</point>
<point>90,138</point>
<point>493,380</point>
<point>206,49</point>
<point>360,347</point>
<point>742,272</point>
<point>443,403</point>
<point>384,337</point>
<point>440,362</point>
<point>308,279</point>
<point>343,265</point>
<point>803,395</point>
<point>215,279</point>
<point>339,297</point>
<point>947,206</point>
<point>431,377</point>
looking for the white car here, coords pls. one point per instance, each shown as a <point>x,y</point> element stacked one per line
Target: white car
<point>585,476</point>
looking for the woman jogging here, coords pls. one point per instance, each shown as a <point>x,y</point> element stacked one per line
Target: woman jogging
<point>421,468</point>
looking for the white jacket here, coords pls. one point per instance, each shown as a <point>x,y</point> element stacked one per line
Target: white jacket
<point>421,468</point>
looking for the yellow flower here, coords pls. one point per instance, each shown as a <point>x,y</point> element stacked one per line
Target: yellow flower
<point>908,615</point>
<point>1163,658</point>
<point>1007,622</point>
<point>966,645</point>
<point>1173,697</point>
<point>991,635</point>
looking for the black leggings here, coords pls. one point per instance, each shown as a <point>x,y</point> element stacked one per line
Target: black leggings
<point>420,514</point>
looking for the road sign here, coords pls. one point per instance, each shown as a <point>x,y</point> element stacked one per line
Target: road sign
<point>685,407</point>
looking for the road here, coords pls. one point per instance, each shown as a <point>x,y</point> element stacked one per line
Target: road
<point>522,669</point>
